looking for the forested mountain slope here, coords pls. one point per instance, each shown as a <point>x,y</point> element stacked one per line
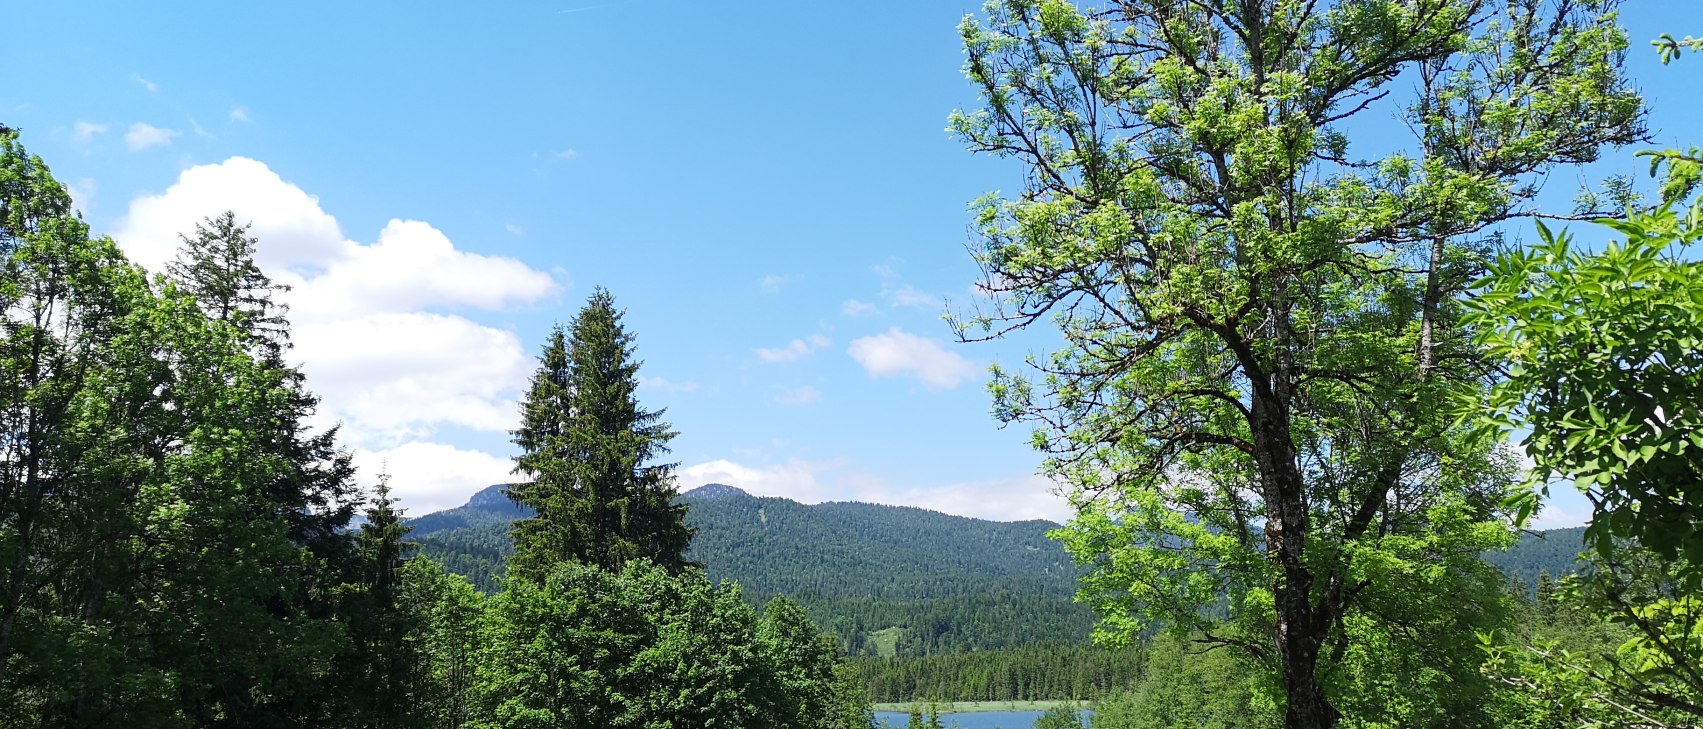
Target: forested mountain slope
<point>886,579</point>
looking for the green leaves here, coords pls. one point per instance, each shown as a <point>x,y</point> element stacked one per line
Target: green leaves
<point>1604,369</point>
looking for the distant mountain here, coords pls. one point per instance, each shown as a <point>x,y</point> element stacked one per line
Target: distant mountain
<point>1555,551</point>
<point>887,579</point>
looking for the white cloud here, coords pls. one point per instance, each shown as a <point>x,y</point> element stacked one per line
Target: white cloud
<point>199,130</point>
<point>853,307</point>
<point>798,396</point>
<point>514,229</point>
<point>896,292</point>
<point>415,266</point>
<point>84,132</point>
<point>795,350</point>
<point>898,352</point>
<point>796,480</point>
<point>146,84</point>
<point>772,284</point>
<point>567,154</point>
<point>239,114</point>
<point>292,229</point>
<point>394,376</point>
<point>812,482</point>
<point>909,296</point>
<point>142,136</point>
<point>372,329</point>
<point>430,477</point>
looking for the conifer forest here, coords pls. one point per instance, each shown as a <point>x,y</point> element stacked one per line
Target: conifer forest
<point>1314,338</point>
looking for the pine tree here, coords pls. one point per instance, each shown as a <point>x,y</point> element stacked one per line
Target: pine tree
<point>586,452</point>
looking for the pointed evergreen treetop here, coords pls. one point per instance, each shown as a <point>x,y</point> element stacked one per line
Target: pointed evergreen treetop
<point>217,266</point>
<point>587,448</point>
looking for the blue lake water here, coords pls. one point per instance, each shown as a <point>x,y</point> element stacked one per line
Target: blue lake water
<point>970,720</point>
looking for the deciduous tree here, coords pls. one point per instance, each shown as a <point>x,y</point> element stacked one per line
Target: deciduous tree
<point>1261,321</point>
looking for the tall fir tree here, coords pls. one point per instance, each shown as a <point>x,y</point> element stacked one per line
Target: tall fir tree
<point>317,492</point>
<point>586,457</point>
<point>217,266</point>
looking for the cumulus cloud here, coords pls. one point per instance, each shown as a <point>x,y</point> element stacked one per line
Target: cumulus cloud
<point>374,328</point>
<point>853,307</point>
<point>795,350</point>
<point>430,477</point>
<point>811,482</point>
<point>393,376</point>
<point>142,136</point>
<point>900,353</point>
<point>415,266</point>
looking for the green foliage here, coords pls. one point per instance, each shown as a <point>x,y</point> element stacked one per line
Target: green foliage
<point>1604,372</point>
<point>1059,717</point>
<point>1187,683</point>
<point>1605,354</point>
<point>1262,325</point>
<point>451,616</point>
<point>1617,645</point>
<point>151,571</point>
<point>643,648</point>
<point>586,450</point>
<point>1040,672</point>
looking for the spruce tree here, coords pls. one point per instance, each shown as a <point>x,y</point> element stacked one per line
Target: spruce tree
<point>586,457</point>
<point>317,492</point>
<point>217,266</point>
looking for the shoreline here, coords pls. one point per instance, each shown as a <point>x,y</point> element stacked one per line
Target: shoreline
<point>976,707</point>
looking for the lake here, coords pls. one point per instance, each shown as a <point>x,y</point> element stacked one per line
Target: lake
<point>970,720</point>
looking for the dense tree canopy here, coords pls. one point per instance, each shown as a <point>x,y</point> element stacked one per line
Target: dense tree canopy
<point>1262,321</point>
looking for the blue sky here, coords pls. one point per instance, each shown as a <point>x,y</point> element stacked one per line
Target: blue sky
<point>766,188</point>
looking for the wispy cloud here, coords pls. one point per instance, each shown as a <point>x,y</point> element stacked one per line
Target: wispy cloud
<point>853,307</point>
<point>795,350</point>
<point>798,396</point>
<point>896,292</point>
<point>84,132</point>
<point>146,84</point>
<point>142,136</point>
<point>772,283</point>
<point>514,229</point>
<point>567,154</point>
<point>239,114</point>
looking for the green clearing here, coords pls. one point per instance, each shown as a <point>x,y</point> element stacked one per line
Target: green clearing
<point>886,641</point>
